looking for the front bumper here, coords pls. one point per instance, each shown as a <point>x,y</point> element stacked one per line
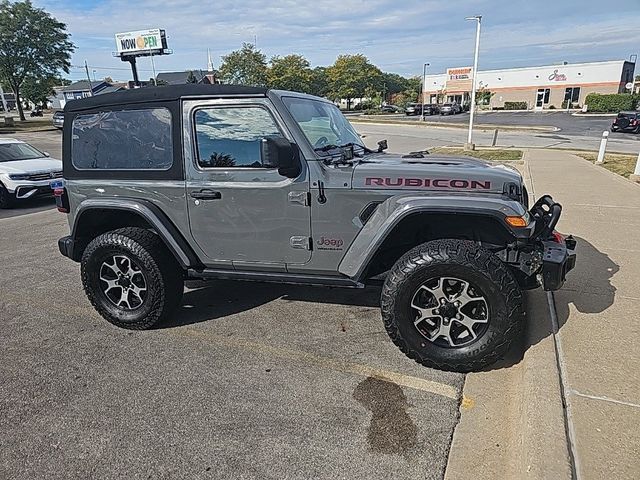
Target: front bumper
<point>558,252</point>
<point>558,259</point>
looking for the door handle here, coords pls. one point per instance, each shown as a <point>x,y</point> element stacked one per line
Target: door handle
<point>206,195</point>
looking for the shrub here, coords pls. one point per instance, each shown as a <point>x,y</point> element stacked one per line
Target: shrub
<point>613,102</point>
<point>515,105</point>
<point>552,107</point>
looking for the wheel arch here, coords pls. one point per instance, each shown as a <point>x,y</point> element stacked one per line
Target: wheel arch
<point>390,233</point>
<point>96,217</point>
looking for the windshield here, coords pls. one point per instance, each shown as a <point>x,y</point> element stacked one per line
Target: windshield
<point>322,123</point>
<point>11,152</point>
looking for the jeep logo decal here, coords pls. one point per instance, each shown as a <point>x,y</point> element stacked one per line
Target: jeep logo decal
<point>428,183</point>
<point>326,243</point>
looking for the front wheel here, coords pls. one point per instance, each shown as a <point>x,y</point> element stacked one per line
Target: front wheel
<point>452,305</point>
<point>7,199</point>
<point>130,278</point>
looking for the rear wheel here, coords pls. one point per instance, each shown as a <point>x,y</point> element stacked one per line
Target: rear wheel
<point>452,305</point>
<point>130,278</point>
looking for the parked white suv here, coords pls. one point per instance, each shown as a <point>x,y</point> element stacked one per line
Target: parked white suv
<point>25,172</point>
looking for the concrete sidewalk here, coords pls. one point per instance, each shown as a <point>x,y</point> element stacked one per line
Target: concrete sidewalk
<point>598,313</point>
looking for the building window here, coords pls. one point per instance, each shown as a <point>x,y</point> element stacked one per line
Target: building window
<point>572,94</point>
<point>123,140</point>
<point>547,92</point>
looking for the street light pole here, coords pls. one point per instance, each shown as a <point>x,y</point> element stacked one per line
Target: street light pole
<point>424,88</point>
<point>472,108</point>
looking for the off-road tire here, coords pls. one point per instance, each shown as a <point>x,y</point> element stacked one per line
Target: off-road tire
<point>163,276</point>
<point>467,261</point>
<point>6,199</point>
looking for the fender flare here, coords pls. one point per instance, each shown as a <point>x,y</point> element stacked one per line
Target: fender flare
<point>154,216</point>
<point>393,210</point>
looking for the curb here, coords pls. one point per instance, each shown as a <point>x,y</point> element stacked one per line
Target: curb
<point>486,126</point>
<point>512,422</point>
<point>512,417</point>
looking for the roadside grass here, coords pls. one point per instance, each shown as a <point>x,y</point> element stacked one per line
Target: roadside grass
<point>29,125</point>
<point>614,162</point>
<point>493,154</point>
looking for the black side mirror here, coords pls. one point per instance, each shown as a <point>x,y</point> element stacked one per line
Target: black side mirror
<point>382,145</point>
<point>280,153</point>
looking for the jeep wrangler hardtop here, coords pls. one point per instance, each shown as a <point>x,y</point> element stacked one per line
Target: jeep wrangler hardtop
<point>172,183</point>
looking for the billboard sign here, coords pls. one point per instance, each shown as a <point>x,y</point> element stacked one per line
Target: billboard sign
<point>459,78</point>
<point>140,42</point>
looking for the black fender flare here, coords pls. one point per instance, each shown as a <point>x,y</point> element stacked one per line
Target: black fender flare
<point>154,216</point>
<point>392,211</point>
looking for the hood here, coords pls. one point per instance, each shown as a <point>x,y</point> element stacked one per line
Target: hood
<point>433,173</point>
<point>36,165</point>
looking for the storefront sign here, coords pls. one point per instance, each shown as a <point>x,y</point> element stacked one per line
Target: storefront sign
<point>557,77</point>
<point>459,79</point>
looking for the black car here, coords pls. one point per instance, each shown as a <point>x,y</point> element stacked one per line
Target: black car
<point>626,122</point>
<point>416,109</point>
<point>389,109</point>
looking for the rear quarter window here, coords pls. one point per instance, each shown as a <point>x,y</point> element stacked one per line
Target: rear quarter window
<point>122,140</point>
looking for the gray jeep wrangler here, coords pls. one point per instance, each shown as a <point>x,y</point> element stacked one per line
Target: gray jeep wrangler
<point>227,182</point>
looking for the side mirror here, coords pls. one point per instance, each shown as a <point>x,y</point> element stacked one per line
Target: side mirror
<point>46,154</point>
<point>382,145</point>
<point>280,153</point>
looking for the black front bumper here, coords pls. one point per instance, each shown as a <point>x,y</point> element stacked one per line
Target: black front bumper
<point>558,252</point>
<point>558,259</point>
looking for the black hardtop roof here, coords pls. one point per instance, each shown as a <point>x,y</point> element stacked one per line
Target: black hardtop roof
<point>164,93</point>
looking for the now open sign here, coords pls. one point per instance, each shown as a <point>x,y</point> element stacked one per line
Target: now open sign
<point>138,41</point>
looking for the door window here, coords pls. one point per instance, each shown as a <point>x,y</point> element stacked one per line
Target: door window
<point>232,136</point>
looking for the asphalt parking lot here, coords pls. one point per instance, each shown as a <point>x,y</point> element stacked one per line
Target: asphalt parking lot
<point>566,123</point>
<point>245,381</point>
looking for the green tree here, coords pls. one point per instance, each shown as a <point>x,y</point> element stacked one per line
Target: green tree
<point>247,66</point>
<point>37,90</point>
<point>33,44</point>
<point>291,72</point>
<point>351,75</point>
<point>319,82</point>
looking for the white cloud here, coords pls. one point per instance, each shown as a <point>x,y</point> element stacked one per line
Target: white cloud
<point>397,36</point>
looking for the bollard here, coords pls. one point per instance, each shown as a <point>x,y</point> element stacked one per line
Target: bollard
<point>635,176</point>
<point>603,147</point>
<point>495,138</point>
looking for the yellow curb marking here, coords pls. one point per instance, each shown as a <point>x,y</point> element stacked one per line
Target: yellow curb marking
<point>337,365</point>
<point>467,403</point>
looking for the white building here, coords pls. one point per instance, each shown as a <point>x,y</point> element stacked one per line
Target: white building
<point>540,87</point>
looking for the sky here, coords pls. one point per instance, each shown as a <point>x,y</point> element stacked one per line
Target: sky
<point>396,35</point>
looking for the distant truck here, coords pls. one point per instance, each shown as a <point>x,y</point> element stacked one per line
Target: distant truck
<point>228,182</point>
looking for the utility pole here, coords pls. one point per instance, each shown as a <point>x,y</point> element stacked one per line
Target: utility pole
<point>86,69</point>
<point>472,108</point>
<point>424,88</point>
<point>634,59</point>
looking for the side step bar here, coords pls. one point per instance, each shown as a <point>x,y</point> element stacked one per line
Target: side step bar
<point>274,277</point>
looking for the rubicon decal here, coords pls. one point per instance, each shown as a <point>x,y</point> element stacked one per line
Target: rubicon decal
<point>428,183</point>
<point>328,243</point>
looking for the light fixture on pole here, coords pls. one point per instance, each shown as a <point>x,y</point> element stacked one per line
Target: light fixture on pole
<point>478,19</point>
<point>424,88</point>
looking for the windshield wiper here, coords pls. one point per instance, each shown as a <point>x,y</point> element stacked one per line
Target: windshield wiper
<point>326,148</point>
